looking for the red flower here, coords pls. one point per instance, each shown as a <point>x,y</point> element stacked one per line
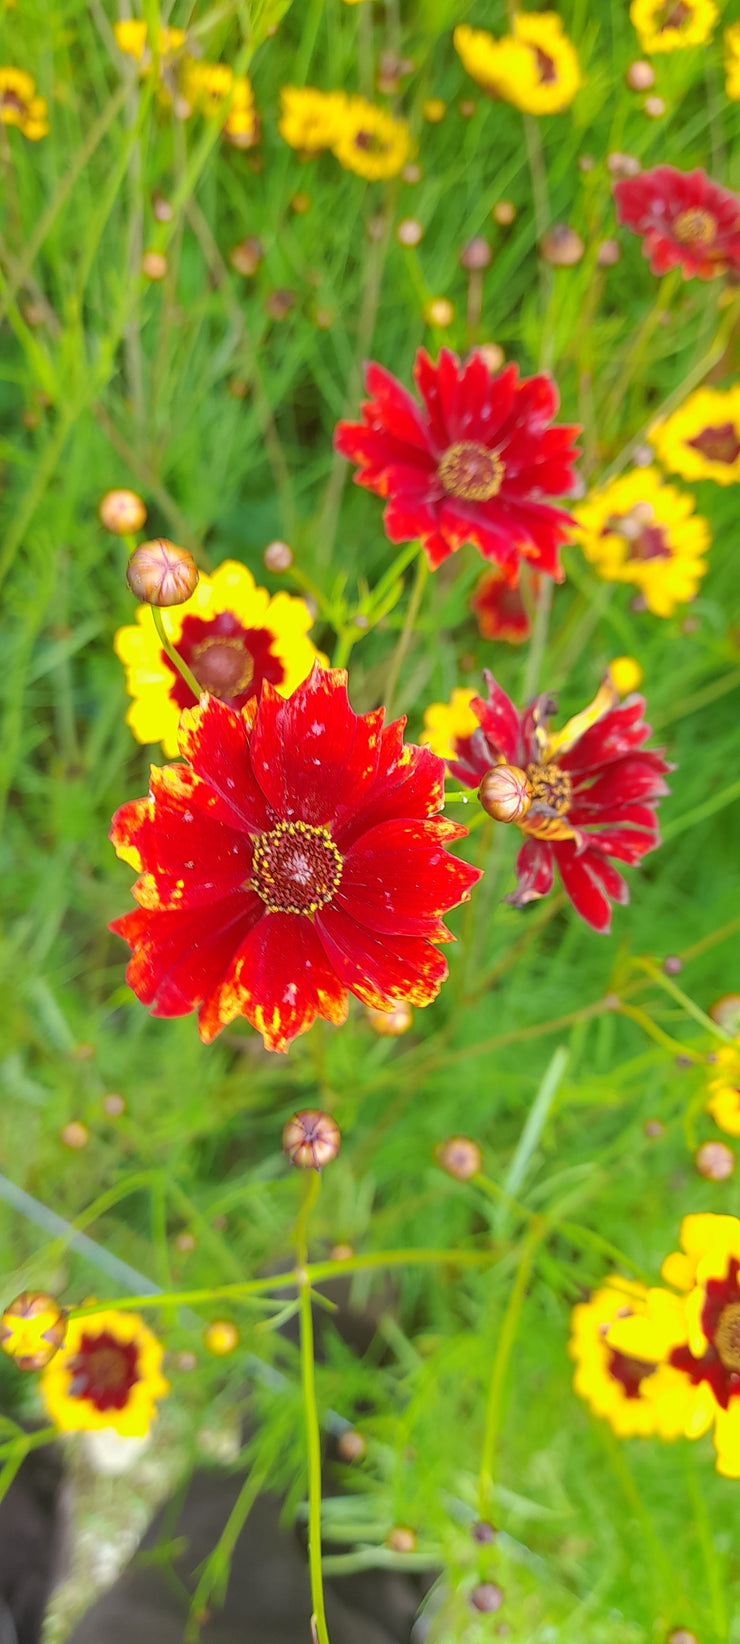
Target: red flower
<point>685,220</point>
<point>301,855</point>
<point>592,791</point>
<point>473,464</point>
<point>500,609</point>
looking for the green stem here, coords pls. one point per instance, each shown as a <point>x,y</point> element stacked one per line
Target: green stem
<point>397,660</point>
<point>637,349</point>
<point>662,981</point>
<point>654,1032</point>
<point>174,656</point>
<point>500,1366</point>
<point>539,640</point>
<point>310,1412</point>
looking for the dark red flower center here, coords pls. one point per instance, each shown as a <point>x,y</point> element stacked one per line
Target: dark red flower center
<point>719,444</point>
<point>370,142</point>
<point>629,1372</point>
<point>695,226</point>
<point>727,1335</point>
<point>470,471</point>
<point>545,67</point>
<point>552,789</point>
<point>672,16</point>
<point>228,660</point>
<point>10,99</point>
<point>652,543</point>
<point>222,666</point>
<point>720,1321</point>
<point>103,1371</point>
<point>296,868</point>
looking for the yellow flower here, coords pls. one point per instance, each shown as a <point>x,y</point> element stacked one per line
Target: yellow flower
<point>32,1329</point>
<point>242,126</point>
<point>668,25</point>
<point>628,1389</point>
<point>370,142</point>
<point>697,1335</point>
<point>231,634</point>
<point>724,1089</point>
<point>205,85</point>
<point>701,440</point>
<point>309,119</point>
<point>732,61</point>
<point>448,724</point>
<point>19,104</point>
<point>107,1374</point>
<point>535,68</point>
<point>131,38</point>
<point>626,674</point>
<point>640,531</point>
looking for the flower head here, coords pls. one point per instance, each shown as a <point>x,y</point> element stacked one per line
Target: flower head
<point>32,1329</point>
<point>499,609</point>
<point>701,440</point>
<point>132,38</point>
<point>535,67</point>
<point>624,1388</point>
<point>684,219</point>
<point>107,1374</point>
<point>231,634</point>
<point>669,25</point>
<point>645,533</point>
<point>474,463</point>
<point>161,573</point>
<point>206,85</point>
<point>731,45</point>
<point>370,141</point>
<point>20,104</point>
<point>592,789</point>
<point>723,1089</point>
<point>309,119</point>
<point>299,856</point>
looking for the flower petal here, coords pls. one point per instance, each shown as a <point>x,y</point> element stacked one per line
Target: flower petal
<point>186,858</point>
<point>409,782</point>
<point>177,958</point>
<point>380,972</point>
<point>398,878</point>
<point>616,734</point>
<point>534,868</point>
<point>582,886</point>
<point>216,741</point>
<point>498,719</point>
<point>280,980</point>
<point>313,756</point>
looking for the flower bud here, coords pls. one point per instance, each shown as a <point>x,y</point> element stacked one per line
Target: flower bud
<point>237,387</point>
<point>626,674</point>
<point>608,254</point>
<point>246,257</point>
<point>375,227</point>
<point>121,512</point>
<point>390,1024</point>
<point>279,303</point>
<point>153,265</point>
<point>681,1635</point>
<point>586,162</point>
<point>487,1596</point>
<point>477,254</point>
<point>561,246</point>
<point>726,1013</point>
<point>278,556</point>
<point>467,107</point>
<point>439,312</point>
<point>623,165</point>
<point>640,76</point>
<point>653,1129</point>
<point>409,231</point>
<point>434,109</point>
<point>654,107</point>
<point>186,1361</point>
<point>221,1338</point>
<point>159,573</point>
<point>341,1252</point>
<point>351,1445</point>
<point>185,1243</point>
<point>74,1135</point>
<point>401,1539</point>
<point>114,1105</point>
<point>672,965</point>
<point>161,208</point>
<point>715,1161</point>
<point>493,357</point>
<point>311,1139</point>
<point>323,319</point>
<point>505,793</point>
<point>412,173</point>
<point>504,212</point>
<point>459,1157</point>
<point>483,1532</point>
<point>32,1329</point>
<point>300,203</point>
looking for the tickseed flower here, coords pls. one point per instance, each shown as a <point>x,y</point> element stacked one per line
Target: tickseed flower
<point>701,440</point>
<point>624,1388</point>
<point>449,726</point>
<point>20,105</point>
<point>32,1329</point>
<point>369,141</point>
<point>309,119</point>
<point>684,219</point>
<point>593,790</point>
<point>204,87</point>
<point>696,1334</point>
<point>474,463</point>
<point>670,25</point>
<point>535,68</point>
<point>499,609</point>
<point>731,45</point>
<point>640,531</point>
<point>132,39</point>
<point>107,1374</point>
<point>723,1089</point>
<point>301,855</point>
<point>231,634</point>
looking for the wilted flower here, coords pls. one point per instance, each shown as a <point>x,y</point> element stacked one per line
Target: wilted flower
<point>32,1329</point>
<point>107,1374</point>
<point>122,512</point>
<point>701,440</point>
<point>670,25</point>
<point>311,1139</point>
<point>160,573</point>
<point>643,532</point>
<point>684,219</point>
<point>20,104</point>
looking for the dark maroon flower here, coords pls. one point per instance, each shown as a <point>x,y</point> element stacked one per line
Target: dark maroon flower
<point>686,221</point>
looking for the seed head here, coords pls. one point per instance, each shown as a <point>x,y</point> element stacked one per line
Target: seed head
<point>32,1329</point>
<point>153,265</point>
<point>311,1139</point>
<point>74,1135</point>
<point>715,1161</point>
<point>459,1157</point>
<point>121,512</point>
<point>487,1596</point>
<point>504,213</point>
<point>409,231</point>
<point>640,76</point>
<point>390,1024</point>
<point>401,1539</point>
<point>440,312</point>
<point>246,256</point>
<point>221,1338</point>
<point>609,253</point>
<point>477,254</point>
<point>278,556</point>
<point>351,1445</point>
<point>505,793</point>
<point>561,246</point>
<point>160,573</point>
<point>726,1013</point>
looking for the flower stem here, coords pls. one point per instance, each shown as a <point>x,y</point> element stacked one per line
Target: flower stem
<point>397,660</point>
<point>500,1366</point>
<point>637,350</point>
<point>539,640</point>
<point>656,975</point>
<point>310,1412</point>
<point>654,1032</point>
<point>174,656</point>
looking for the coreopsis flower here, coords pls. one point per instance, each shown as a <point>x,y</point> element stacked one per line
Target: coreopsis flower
<point>731,48</point>
<point>132,38</point>
<point>696,1335</point>
<point>32,1329</point>
<point>723,1089</point>
<point>623,1388</point>
<point>20,104</point>
<point>205,86</point>
<point>684,219</point>
<point>499,609</point>
<point>231,634</point>
<point>645,533</point>
<point>535,67</point>
<point>299,856</point>
<point>107,1374</point>
<point>242,123</point>
<point>701,440</point>
<point>670,25</point>
<point>583,794</point>
<point>309,119</point>
<point>369,141</point>
<point>474,463</point>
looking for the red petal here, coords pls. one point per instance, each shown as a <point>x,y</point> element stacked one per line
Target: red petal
<point>215,739</point>
<point>627,844</point>
<point>330,754</point>
<point>399,879</point>
<point>279,980</point>
<point>178,958</point>
<point>379,972</point>
<point>409,782</point>
<point>582,886</point>
<point>612,882</point>
<point>615,734</point>
<point>638,777</point>
<point>498,718</point>
<point>534,868</point>
<point>187,859</point>
<point>394,407</point>
<point>425,376</point>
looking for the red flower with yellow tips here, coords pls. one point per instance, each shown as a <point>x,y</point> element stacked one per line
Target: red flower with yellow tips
<point>685,220</point>
<point>476,462</point>
<point>500,610</point>
<point>300,855</point>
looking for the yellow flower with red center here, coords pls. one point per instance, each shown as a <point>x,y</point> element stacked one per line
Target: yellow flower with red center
<point>205,88</point>
<point>20,104</point>
<point>231,634</point>
<point>448,725</point>
<point>701,440</point>
<point>631,1392</point>
<point>669,25</point>
<point>723,1089</point>
<point>640,531</point>
<point>310,119</point>
<point>107,1374</point>
<point>369,141</point>
<point>535,67</point>
<point>731,47</point>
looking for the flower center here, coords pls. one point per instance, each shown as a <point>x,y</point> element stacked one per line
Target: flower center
<point>727,1336</point>
<point>719,444</point>
<point>471,472</point>
<point>11,100</point>
<point>552,789</point>
<point>545,65</point>
<point>629,1372</point>
<point>673,16</point>
<point>296,868</point>
<point>370,142</point>
<point>222,666</point>
<point>652,543</point>
<point>695,227</point>
<point>103,1371</point>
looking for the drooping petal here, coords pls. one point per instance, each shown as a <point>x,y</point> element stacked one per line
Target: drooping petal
<point>587,894</point>
<point>498,719</point>
<point>534,870</point>
<point>380,971</point>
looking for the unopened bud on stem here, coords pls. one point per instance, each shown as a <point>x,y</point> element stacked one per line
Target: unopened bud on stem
<point>159,573</point>
<point>311,1139</point>
<point>505,793</point>
<point>121,512</point>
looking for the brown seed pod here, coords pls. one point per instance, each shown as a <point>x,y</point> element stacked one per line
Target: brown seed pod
<point>121,512</point>
<point>160,573</point>
<point>505,793</point>
<point>311,1139</point>
<point>459,1157</point>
